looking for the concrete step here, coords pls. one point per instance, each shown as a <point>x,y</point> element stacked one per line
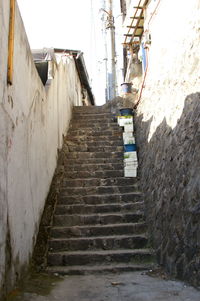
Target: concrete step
<point>100,199</point>
<point>120,181</point>
<point>98,230</point>
<point>94,174</point>
<point>99,269</point>
<point>98,219</point>
<point>93,167</point>
<point>103,208</point>
<point>95,155</point>
<point>86,148</point>
<point>98,243</point>
<point>97,257</point>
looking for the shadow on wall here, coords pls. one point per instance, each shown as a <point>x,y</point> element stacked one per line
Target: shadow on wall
<point>170,179</point>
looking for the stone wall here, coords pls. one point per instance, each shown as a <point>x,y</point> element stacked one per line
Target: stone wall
<point>32,124</point>
<point>168,137</point>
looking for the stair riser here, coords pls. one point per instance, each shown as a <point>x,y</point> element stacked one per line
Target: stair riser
<point>94,155</point>
<point>95,117</point>
<point>94,174</point>
<point>100,182</point>
<point>89,209</point>
<point>90,110</point>
<point>85,138</point>
<point>96,190</point>
<point>73,220</point>
<point>91,125</point>
<point>121,229</point>
<point>85,148</point>
<point>96,133</point>
<point>100,270</point>
<point>93,143</point>
<point>93,161</point>
<point>99,199</point>
<point>98,244</point>
<point>94,167</point>
<point>93,259</point>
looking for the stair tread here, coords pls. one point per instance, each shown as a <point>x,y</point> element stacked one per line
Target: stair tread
<point>103,214</point>
<point>101,267</point>
<point>104,252</point>
<point>112,194</point>
<point>102,205</point>
<point>143,235</point>
<point>102,226</point>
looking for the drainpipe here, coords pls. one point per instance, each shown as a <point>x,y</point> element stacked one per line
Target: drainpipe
<point>144,78</point>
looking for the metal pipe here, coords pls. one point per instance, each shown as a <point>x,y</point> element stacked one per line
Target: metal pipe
<point>111,63</point>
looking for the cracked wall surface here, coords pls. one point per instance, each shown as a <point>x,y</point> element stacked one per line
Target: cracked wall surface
<point>33,120</point>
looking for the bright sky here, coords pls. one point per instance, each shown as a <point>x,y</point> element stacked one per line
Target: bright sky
<point>65,24</point>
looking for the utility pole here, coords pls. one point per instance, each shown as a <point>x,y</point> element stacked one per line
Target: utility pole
<point>111,65</point>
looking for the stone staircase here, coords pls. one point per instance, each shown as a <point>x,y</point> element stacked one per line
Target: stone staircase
<point>98,223</point>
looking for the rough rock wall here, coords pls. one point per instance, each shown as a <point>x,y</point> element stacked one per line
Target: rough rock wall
<point>168,138</point>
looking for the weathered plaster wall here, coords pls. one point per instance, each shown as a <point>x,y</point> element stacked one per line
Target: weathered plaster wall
<point>168,137</point>
<point>32,124</point>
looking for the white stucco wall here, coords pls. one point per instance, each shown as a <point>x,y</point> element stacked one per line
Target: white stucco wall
<point>173,69</point>
<point>32,124</point>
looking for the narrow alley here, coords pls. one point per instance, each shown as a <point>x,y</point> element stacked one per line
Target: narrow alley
<point>97,243</point>
<point>99,150</point>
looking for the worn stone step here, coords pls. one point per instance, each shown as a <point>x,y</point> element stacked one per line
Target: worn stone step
<point>85,138</point>
<point>99,230</point>
<point>94,167</point>
<point>98,243</point>
<point>93,116</point>
<point>100,199</point>
<point>93,123</point>
<point>70,161</point>
<point>94,174</point>
<point>99,182</point>
<point>93,143</point>
<point>96,257</point>
<point>102,208</point>
<point>90,110</point>
<point>101,219</point>
<point>94,132</point>
<point>99,269</point>
<point>94,155</point>
<point>96,190</point>
<point>86,148</point>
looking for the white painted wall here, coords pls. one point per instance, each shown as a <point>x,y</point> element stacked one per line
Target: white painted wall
<point>174,64</point>
<point>32,124</point>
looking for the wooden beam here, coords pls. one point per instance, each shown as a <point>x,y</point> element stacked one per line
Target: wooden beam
<point>11,42</point>
<point>139,27</point>
<point>130,35</point>
<point>139,7</point>
<point>142,18</point>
